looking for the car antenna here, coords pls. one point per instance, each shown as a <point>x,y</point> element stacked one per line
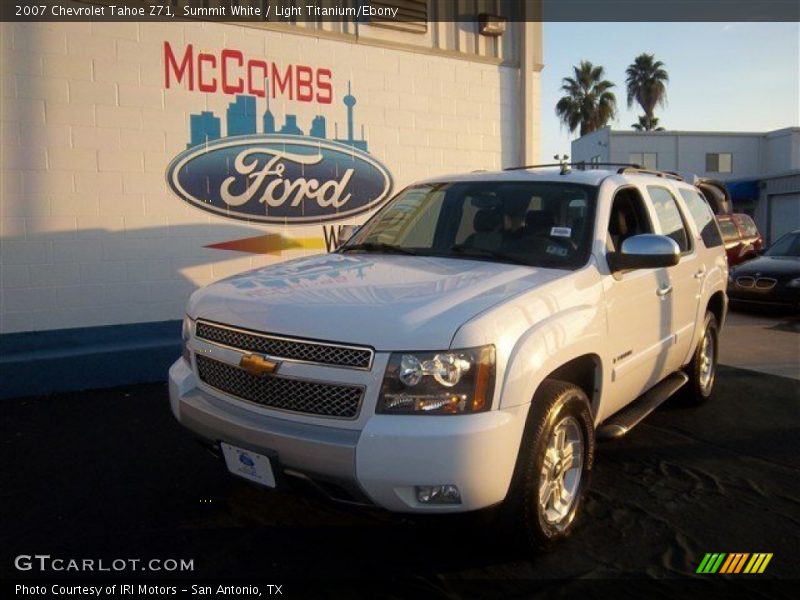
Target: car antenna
<point>563,163</point>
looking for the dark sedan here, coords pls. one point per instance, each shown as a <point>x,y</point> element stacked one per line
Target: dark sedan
<point>772,279</point>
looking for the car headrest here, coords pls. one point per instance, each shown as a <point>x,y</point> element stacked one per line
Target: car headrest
<point>486,219</point>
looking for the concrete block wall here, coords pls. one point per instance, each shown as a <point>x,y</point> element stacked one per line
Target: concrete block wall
<point>90,234</point>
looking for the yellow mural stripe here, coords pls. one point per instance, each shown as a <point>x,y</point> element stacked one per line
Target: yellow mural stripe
<point>765,563</point>
<point>740,564</point>
<point>727,563</point>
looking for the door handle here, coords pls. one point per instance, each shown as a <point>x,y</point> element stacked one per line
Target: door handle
<point>700,272</point>
<point>663,291</point>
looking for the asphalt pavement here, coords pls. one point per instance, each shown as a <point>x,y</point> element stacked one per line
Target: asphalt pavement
<point>763,343</point>
<point>109,473</point>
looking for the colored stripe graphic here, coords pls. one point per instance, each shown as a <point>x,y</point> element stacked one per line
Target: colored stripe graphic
<point>711,562</point>
<point>734,563</point>
<point>727,564</point>
<point>758,563</point>
<point>703,563</point>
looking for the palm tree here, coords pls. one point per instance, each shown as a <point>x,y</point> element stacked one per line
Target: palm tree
<point>643,125</point>
<point>588,103</point>
<point>647,85</point>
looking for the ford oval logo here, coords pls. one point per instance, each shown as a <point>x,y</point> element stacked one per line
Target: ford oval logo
<point>283,179</point>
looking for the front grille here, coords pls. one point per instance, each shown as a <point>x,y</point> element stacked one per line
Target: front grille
<point>278,347</point>
<point>762,283</point>
<point>765,283</point>
<point>295,395</point>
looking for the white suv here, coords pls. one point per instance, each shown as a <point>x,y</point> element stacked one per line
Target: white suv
<point>466,346</point>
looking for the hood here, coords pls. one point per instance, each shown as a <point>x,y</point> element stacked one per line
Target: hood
<point>775,266</point>
<point>389,302</point>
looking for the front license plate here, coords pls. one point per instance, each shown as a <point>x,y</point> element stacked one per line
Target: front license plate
<point>250,465</point>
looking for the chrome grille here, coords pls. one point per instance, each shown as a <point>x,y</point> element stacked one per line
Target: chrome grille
<point>765,283</point>
<point>291,349</point>
<point>761,283</point>
<point>295,395</point>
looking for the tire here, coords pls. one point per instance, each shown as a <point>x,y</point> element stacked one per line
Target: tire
<point>559,409</point>
<point>702,370</point>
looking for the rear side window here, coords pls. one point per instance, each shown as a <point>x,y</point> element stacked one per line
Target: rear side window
<point>703,218</point>
<point>669,216</point>
<point>728,229</point>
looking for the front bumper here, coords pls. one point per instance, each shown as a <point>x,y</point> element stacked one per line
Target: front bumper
<point>779,296</point>
<point>379,464</point>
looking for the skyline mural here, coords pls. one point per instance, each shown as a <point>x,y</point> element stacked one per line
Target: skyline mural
<point>242,119</point>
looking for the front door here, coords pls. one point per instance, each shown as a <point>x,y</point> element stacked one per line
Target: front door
<point>639,318</point>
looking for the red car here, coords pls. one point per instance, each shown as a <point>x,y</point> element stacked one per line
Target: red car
<point>742,238</point>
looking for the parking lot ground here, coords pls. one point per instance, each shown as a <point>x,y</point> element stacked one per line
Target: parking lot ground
<point>760,342</point>
<point>109,473</point>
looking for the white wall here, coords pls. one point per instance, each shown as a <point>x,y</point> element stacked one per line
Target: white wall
<point>90,232</point>
<point>782,151</point>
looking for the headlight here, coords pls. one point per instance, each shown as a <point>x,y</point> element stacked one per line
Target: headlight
<point>794,283</point>
<point>186,335</point>
<point>450,382</point>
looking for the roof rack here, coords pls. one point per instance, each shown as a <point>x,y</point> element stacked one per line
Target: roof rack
<point>581,166</point>
<point>640,170</point>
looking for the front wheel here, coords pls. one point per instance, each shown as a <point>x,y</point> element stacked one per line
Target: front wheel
<point>702,370</point>
<point>554,464</point>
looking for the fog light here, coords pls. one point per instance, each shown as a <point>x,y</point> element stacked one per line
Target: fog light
<point>438,494</point>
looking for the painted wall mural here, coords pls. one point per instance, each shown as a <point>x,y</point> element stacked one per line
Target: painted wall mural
<point>255,168</point>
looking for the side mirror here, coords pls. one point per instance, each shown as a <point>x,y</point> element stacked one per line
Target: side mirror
<point>646,251</point>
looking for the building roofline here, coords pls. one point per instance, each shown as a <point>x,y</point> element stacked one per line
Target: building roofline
<point>784,130</point>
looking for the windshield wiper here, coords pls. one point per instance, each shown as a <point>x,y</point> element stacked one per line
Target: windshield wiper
<point>377,247</point>
<point>485,252</point>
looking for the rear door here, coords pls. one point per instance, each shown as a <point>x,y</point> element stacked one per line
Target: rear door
<point>681,294</point>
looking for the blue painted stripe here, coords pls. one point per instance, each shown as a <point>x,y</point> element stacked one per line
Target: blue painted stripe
<point>44,362</point>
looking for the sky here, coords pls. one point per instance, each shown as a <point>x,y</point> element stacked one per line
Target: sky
<point>723,76</point>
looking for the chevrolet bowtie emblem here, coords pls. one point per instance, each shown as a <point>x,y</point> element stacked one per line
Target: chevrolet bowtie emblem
<point>258,365</point>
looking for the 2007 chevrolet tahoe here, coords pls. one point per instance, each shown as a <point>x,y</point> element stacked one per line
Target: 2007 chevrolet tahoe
<point>466,346</point>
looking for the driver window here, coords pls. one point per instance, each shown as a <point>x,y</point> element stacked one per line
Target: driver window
<point>628,218</point>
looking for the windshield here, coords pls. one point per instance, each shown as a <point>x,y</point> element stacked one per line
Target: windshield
<point>537,224</point>
<point>788,245</point>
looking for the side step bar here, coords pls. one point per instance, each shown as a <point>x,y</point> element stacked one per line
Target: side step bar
<point>626,419</point>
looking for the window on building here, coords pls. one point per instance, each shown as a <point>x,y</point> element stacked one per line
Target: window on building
<point>648,160</point>
<point>412,15</point>
<point>719,162</point>
<point>669,216</point>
